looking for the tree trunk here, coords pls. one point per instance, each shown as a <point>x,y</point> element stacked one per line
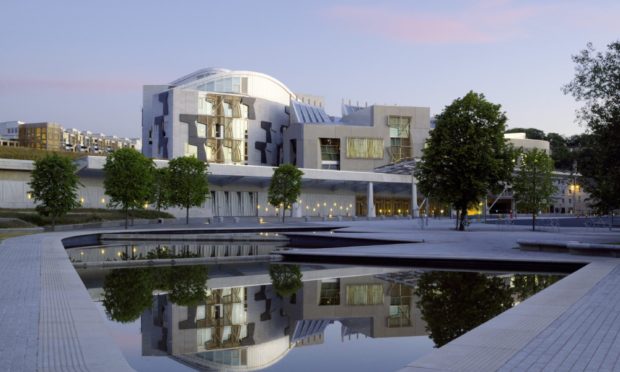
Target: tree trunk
<point>458,219</point>
<point>283,213</point>
<point>611,223</point>
<point>187,215</point>
<point>126,218</point>
<point>463,216</point>
<point>533,221</point>
<point>54,222</point>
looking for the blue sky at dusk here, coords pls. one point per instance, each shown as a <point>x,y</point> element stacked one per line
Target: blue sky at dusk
<point>83,63</point>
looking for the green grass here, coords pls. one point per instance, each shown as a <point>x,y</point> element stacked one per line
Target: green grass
<point>79,216</point>
<point>14,223</point>
<point>25,153</point>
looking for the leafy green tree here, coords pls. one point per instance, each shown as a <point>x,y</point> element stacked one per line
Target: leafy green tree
<point>563,157</point>
<point>466,155</point>
<point>286,279</point>
<point>161,189</point>
<point>533,185</point>
<point>54,185</point>
<point>527,285</point>
<point>127,293</point>
<point>285,187</point>
<point>128,179</point>
<point>187,284</point>
<point>453,303</point>
<point>188,183</point>
<point>597,85</point>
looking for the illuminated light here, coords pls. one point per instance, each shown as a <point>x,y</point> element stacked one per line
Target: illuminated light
<point>350,205</point>
<point>307,207</point>
<point>341,207</point>
<point>276,234</point>
<point>331,210</point>
<point>399,211</point>
<point>103,251</point>
<point>266,209</point>
<point>29,195</point>
<point>102,200</point>
<point>335,204</point>
<point>313,209</point>
<point>441,211</point>
<point>258,206</point>
<point>82,253</point>
<point>330,216</point>
<point>324,204</point>
<point>82,200</point>
<point>300,201</point>
<point>146,205</point>
<point>134,250</point>
<point>318,205</point>
<point>118,254</point>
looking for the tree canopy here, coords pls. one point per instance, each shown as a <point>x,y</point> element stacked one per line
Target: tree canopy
<point>54,185</point>
<point>452,303</point>
<point>466,155</point>
<point>285,187</point>
<point>286,279</point>
<point>128,292</point>
<point>188,185</point>
<point>128,179</point>
<point>533,185</point>
<point>597,85</point>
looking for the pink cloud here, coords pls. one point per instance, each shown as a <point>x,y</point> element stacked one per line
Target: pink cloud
<point>484,22</point>
<point>75,85</point>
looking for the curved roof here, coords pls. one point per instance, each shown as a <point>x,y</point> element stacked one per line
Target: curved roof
<point>213,73</point>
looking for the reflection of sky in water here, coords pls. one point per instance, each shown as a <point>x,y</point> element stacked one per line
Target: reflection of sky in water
<point>360,354</point>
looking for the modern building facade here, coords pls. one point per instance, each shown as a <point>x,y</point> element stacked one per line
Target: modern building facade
<point>249,119</point>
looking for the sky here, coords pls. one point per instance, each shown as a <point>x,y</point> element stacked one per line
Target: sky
<point>83,63</point>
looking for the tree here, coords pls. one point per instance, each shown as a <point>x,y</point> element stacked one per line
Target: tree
<point>188,183</point>
<point>285,187</point>
<point>597,85</point>
<point>563,157</point>
<point>533,185</point>
<point>128,179</point>
<point>161,189</point>
<point>466,155</point>
<point>54,184</point>
<point>452,303</point>
<point>127,293</point>
<point>286,279</point>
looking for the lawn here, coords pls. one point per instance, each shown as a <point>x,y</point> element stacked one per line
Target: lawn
<point>30,218</point>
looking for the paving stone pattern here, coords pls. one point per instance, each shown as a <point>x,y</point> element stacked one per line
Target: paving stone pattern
<point>19,313</point>
<point>584,338</point>
<point>49,322</point>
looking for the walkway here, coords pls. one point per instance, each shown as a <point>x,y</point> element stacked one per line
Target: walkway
<point>50,323</point>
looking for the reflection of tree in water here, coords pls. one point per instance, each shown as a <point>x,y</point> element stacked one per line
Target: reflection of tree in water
<point>286,279</point>
<point>452,303</point>
<point>128,292</point>
<point>525,286</point>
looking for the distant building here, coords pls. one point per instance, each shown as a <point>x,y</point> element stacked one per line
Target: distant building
<point>9,130</point>
<point>44,136</point>
<point>519,141</point>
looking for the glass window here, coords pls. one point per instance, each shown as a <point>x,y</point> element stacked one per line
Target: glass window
<point>364,294</point>
<point>365,148</point>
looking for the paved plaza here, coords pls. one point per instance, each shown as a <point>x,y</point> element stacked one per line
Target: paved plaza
<point>50,322</point>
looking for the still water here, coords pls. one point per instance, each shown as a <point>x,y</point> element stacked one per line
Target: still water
<point>283,317</point>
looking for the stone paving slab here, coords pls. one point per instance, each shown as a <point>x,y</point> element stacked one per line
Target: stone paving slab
<point>49,323</point>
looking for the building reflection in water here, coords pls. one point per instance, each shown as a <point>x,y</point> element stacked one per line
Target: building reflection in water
<point>252,327</point>
<point>247,317</point>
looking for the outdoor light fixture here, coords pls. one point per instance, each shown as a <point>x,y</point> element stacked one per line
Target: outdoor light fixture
<point>82,200</point>
<point>29,195</point>
<point>102,200</point>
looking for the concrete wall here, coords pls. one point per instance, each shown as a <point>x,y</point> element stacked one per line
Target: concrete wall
<point>308,154</point>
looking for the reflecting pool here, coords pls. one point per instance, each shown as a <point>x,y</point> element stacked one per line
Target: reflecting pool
<point>283,317</point>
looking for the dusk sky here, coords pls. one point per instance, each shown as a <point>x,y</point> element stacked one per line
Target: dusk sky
<point>83,63</point>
